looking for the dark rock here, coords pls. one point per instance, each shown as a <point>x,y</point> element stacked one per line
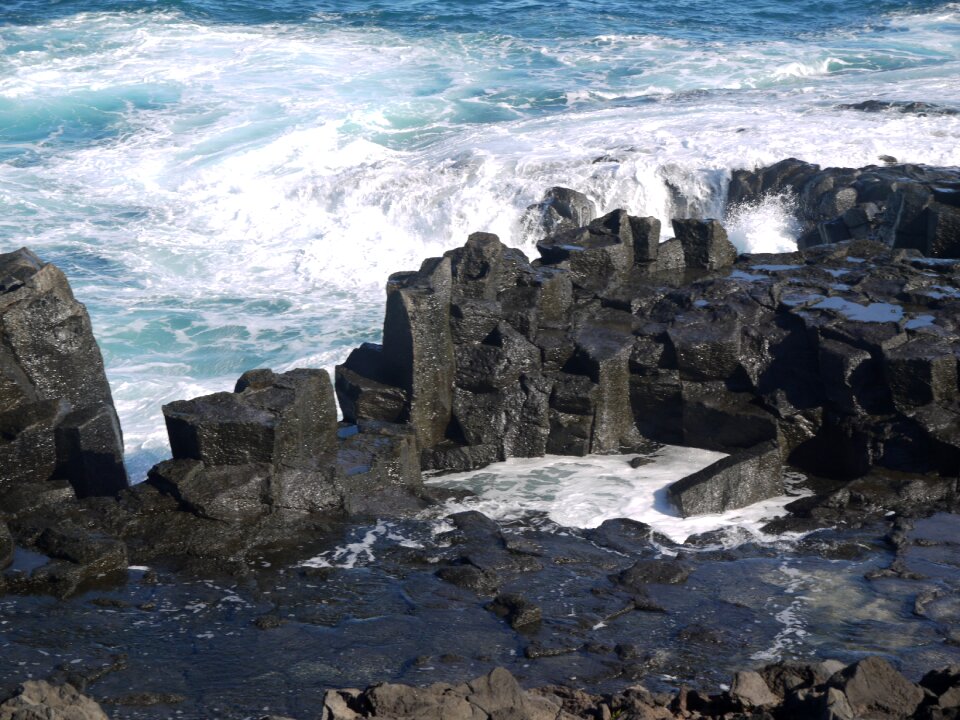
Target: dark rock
<point>598,256</point>
<point>145,699</point>
<point>706,348</point>
<point>900,106</point>
<point>286,420</point>
<point>658,407</point>
<point>604,355</point>
<point>646,238</point>
<point>733,482</point>
<point>705,244</point>
<point>670,256</point>
<point>660,572</point>
<point>921,372</point>
<point>270,621</point>
<point>86,441</point>
<point>6,545</point>
<point>561,209</point>
<point>418,341</point>
<point>52,369</point>
<point>76,559</point>
<point>516,610</point>
<point>874,689</point>
<point>942,680</point>
<point>717,419</point>
<point>362,388</point>
<point>943,229</point>
<point>628,536</point>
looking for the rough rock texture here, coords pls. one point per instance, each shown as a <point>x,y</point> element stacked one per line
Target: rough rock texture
<point>274,446</point>
<point>838,359</point>
<point>733,482</point>
<point>39,700</point>
<point>560,209</point>
<point>903,206</point>
<point>57,419</point>
<point>870,689</point>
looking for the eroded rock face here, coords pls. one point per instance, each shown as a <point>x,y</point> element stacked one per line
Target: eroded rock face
<point>57,419</point>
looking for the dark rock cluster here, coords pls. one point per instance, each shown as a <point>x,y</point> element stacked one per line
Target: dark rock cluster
<point>904,206</point>
<point>839,359</point>
<point>870,688</point>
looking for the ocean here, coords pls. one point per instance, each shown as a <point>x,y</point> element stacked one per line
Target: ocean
<point>228,184</point>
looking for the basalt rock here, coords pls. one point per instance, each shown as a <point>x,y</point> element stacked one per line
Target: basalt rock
<point>839,358</point>
<point>274,446</point>
<point>910,207</point>
<point>733,482</point>
<point>57,419</point>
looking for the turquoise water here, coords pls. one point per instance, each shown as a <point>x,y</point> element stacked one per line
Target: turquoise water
<point>228,184</point>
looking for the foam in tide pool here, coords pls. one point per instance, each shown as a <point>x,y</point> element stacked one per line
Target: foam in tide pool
<point>228,186</point>
<point>583,492</point>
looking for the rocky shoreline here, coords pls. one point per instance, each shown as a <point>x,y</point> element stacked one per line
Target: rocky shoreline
<point>870,688</point>
<point>839,360</point>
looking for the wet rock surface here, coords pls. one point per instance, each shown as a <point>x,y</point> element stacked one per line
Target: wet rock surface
<point>57,419</point>
<point>904,206</point>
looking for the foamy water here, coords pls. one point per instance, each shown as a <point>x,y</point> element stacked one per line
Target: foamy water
<point>584,492</point>
<point>229,190</point>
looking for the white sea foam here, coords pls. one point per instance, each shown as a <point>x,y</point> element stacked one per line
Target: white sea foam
<point>584,492</point>
<point>769,226</point>
<point>361,551</point>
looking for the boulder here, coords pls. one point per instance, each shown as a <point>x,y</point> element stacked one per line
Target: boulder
<point>598,256</point>
<point>670,257</point>
<point>284,420</point>
<point>750,689</point>
<point>943,229</point>
<point>561,209</point>
<point>732,482</point>
<point>39,699</point>
<point>705,347</point>
<point>361,398</point>
<point>76,558</point>
<point>53,389</point>
<point>656,571</point>
<point>645,232</point>
<point>603,355</point>
<point>516,610</point>
<point>874,689</point>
